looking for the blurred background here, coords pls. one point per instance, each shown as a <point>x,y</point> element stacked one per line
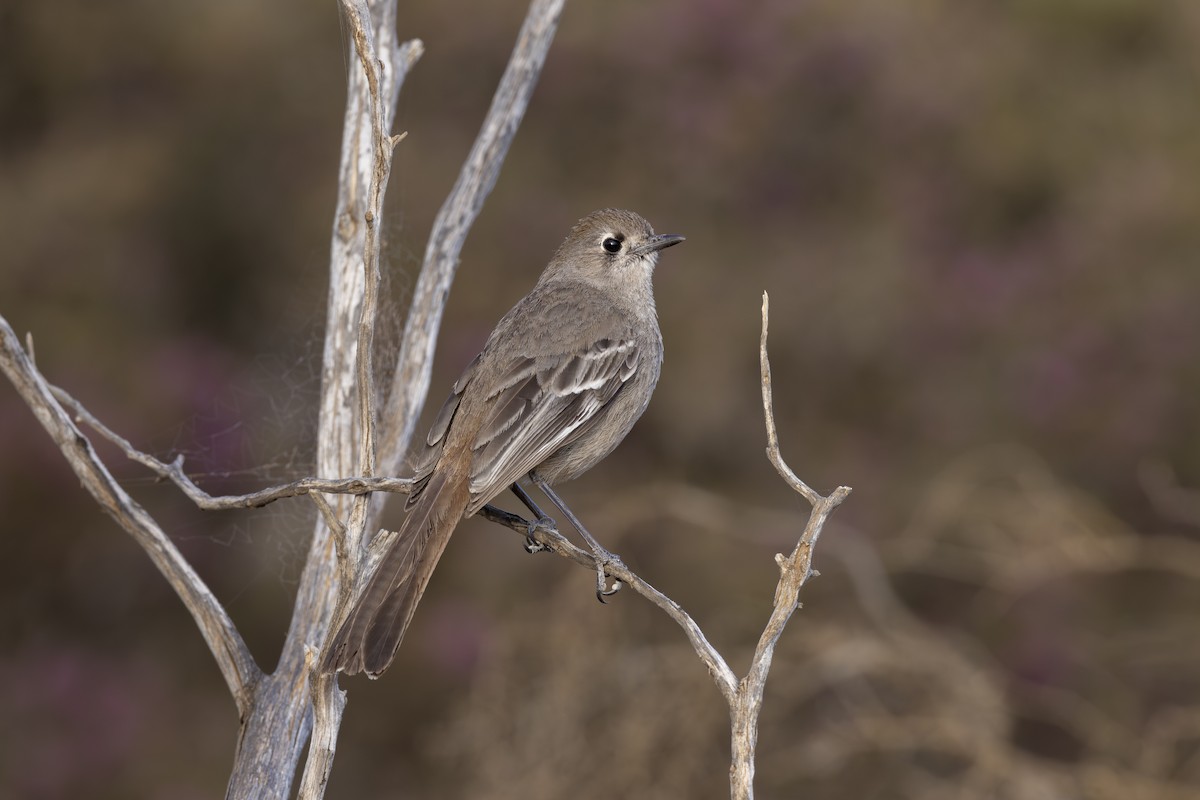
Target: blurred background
<point>978,224</point>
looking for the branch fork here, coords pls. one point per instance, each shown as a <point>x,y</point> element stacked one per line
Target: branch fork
<point>743,695</point>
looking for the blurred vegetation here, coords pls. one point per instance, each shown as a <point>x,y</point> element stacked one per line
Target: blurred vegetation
<point>978,225</point>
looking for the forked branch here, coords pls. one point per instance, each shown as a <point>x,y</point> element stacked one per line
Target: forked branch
<point>237,666</point>
<point>414,365</point>
<point>795,569</point>
<point>174,472</point>
<point>744,696</point>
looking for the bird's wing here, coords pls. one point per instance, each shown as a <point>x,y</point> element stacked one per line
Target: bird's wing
<point>427,458</point>
<point>541,405</point>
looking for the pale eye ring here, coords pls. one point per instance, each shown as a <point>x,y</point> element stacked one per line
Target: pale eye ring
<point>611,245</point>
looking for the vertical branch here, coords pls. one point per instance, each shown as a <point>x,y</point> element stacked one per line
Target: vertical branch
<point>354,265</point>
<point>411,382</point>
<point>381,170</point>
<point>373,99</point>
<point>414,365</point>
<point>795,569</point>
<point>329,702</point>
<point>367,155</point>
<point>273,735</point>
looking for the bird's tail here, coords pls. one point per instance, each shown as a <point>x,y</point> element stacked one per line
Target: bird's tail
<point>369,638</point>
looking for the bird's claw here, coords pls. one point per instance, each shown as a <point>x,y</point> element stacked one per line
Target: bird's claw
<point>603,559</point>
<point>602,590</point>
<point>532,545</point>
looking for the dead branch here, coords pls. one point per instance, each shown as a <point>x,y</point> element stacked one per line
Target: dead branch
<point>381,170</point>
<point>207,502</point>
<point>744,696</point>
<point>414,364</point>
<point>271,739</point>
<point>794,569</point>
<point>241,673</point>
<point>558,544</point>
<point>329,701</point>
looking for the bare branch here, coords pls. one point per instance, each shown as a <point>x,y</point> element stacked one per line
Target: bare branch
<point>553,540</point>
<point>366,152</point>
<point>411,381</point>
<point>773,453</point>
<point>383,145</point>
<point>329,702</point>
<point>174,472</point>
<point>233,657</point>
<point>795,570</point>
<point>414,365</point>
<point>743,697</point>
<point>347,370</point>
<point>271,741</point>
<point>327,514</point>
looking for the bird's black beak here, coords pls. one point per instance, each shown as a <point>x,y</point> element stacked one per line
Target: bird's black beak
<point>659,242</point>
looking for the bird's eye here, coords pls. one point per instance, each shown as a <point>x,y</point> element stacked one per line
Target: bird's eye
<point>611,245</point>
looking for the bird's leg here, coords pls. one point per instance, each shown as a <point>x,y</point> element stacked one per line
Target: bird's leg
<point>541,521</point>
<point>507,518</point>
<point>601,555</point>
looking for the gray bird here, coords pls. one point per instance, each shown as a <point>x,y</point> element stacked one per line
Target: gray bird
<point>560,382</point>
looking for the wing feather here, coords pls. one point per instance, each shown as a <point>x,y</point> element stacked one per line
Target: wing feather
<point>427,458</point>
<point>551,405</point>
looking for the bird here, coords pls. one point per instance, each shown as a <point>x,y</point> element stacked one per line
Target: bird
<point>557,386</point>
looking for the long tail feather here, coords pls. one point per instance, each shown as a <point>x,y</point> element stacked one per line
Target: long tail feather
<point>371,635</point>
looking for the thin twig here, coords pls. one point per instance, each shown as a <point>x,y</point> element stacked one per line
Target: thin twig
<point>237,666</point>
<point>414,364</point>
<point>773,454</point>
<point>174,472</point>
<point>329,515</point>
<point>554,541</point>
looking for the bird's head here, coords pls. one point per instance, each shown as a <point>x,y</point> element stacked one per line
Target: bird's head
<point>610,245</point>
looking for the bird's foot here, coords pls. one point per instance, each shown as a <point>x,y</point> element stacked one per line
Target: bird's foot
<point>604,559</point>
<point>532,545</point>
